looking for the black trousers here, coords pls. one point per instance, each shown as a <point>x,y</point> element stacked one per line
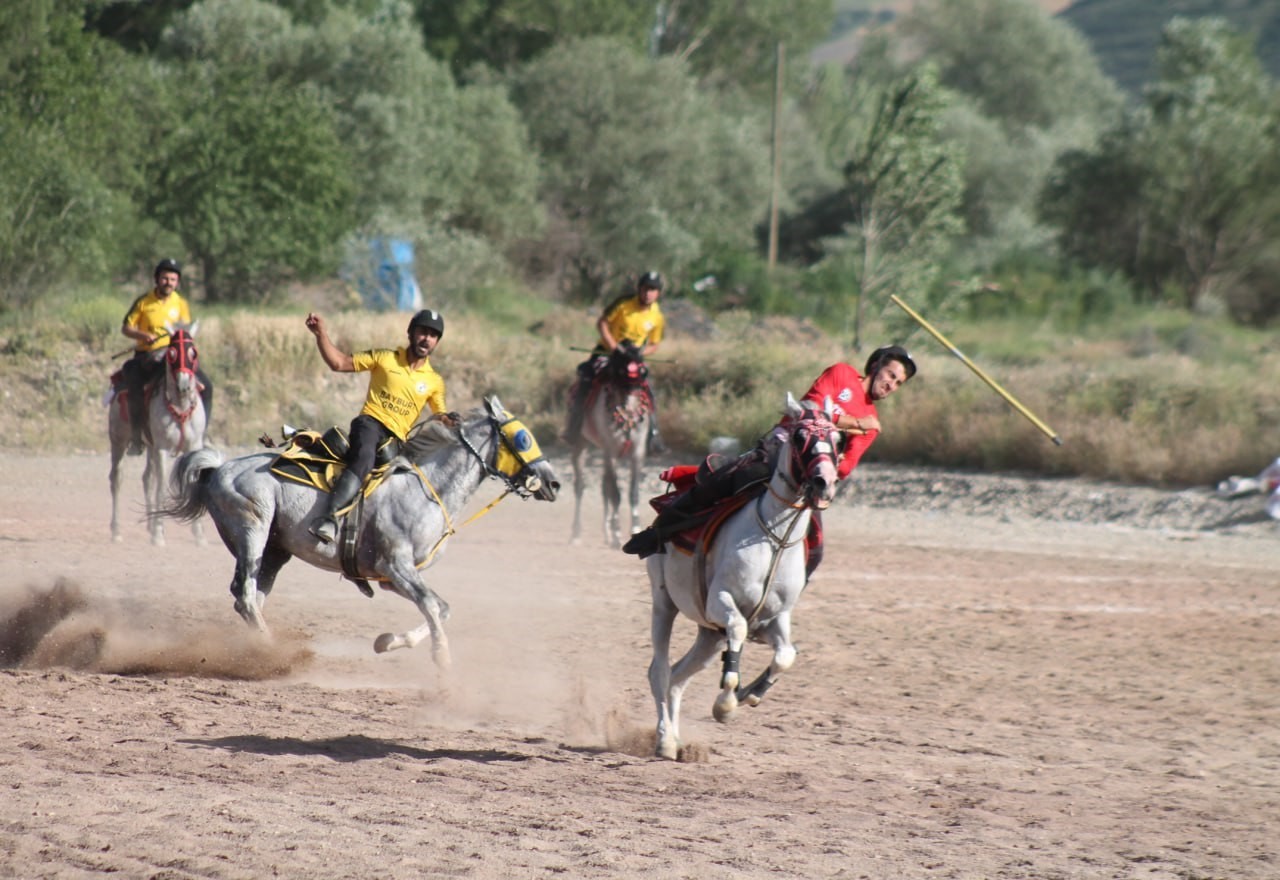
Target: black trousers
<point>365,436</point>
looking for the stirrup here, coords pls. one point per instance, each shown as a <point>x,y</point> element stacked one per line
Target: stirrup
<point>325,530</point>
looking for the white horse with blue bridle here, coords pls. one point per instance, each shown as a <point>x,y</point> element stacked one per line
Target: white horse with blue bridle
<point>265,522</point>
<point>747,582</point>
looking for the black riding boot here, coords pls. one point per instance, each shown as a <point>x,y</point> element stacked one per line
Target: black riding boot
<point>136,395</point>
<point>343,493</point>
<point>680,514</point>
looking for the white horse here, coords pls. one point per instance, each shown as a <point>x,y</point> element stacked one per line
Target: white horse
<point>175,424</point>
<point>265,522</point>
<point>618,419</point>
<point>746,583</point>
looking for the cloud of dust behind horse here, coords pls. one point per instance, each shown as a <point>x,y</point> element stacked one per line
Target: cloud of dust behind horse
<point>63,627</point>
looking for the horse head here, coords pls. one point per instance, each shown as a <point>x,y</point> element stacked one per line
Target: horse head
<point>626,367</point>
<point>518,460</point>
<point>181,359</point>
<point>813,443</point>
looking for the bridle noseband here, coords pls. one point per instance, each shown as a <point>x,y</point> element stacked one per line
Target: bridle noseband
<point>522,481</point>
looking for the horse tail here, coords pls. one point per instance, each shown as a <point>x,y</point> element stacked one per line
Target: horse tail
<point>188,484</point>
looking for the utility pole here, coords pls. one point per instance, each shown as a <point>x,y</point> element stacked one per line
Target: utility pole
<point>658,29</point>
<point>777,156</point>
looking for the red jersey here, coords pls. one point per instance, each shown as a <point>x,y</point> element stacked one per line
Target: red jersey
<point>843,384</point>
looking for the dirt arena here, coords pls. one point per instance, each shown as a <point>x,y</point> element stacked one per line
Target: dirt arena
<point>982,694</point>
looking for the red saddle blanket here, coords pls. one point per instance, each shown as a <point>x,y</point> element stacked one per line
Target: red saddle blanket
<point>680,478</point>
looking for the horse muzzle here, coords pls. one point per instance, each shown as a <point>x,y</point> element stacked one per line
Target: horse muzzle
<point>537,480</point>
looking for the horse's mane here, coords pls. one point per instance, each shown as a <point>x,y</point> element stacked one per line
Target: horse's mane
<point>434,435</point>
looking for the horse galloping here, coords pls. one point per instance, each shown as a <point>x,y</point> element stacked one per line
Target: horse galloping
<point>175,424</point>
<point>265,522</point>
<point>746,582</point>
<point>618,421</point>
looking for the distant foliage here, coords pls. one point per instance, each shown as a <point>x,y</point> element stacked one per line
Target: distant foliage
<point>641,169</point>
<point>1180,193</point>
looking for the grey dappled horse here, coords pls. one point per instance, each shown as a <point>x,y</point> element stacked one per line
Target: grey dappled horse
<point>747,582</point>
<point>265,522</point>
<point>175,424</point>
<point>617,422</point>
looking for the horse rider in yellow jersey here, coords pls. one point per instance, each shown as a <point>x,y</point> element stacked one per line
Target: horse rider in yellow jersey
<point>401,383</point>
<point>147,323</point>
<point>633,319</point>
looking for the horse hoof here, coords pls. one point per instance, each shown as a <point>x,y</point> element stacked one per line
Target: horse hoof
<point>669,749</point>
<point>117,539</point>
<point>383,643</point>
<point>726,704</point>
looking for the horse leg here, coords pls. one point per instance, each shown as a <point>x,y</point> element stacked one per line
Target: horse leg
<point>784,654</point>
<point>699,656</point>
<point>637,475</point>
<point>722,608</point>
<point>117,453</point>
<point>406,581</point>
<point>662,618</point>
<point>152,489</point>
<point>273,559</point>
<point>579,484</point>
<point>612,501</point>
<point>257,565</point>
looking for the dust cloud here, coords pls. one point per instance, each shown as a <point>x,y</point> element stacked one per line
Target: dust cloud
<point>63,627</point>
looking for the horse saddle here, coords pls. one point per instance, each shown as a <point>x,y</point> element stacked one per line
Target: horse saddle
<point>314,459</point>
<point>700,526</point>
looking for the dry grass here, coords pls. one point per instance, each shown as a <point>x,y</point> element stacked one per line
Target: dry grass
<point>1130,405</point>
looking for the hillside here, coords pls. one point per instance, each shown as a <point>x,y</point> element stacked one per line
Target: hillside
<point>1124,33</point>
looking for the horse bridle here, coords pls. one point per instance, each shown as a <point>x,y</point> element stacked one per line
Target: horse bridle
<point>522,481</point>
<point>180,356</point>
<point>804,457</point>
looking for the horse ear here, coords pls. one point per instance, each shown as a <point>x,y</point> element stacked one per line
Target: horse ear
<point>195,325</point>
<point>494,406</point>
<point>829,408</point>
<point>794,410</point>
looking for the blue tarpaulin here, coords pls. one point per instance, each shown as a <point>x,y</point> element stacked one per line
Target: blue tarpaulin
<point>388,280</point>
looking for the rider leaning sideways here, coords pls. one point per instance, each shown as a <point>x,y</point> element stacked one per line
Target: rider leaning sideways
<point>147,323</point>
<point>632,319</point>
<point>401,383</point>
<point>853,396</point>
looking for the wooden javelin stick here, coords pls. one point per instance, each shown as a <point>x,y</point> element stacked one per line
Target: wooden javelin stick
<point>1009,398</point>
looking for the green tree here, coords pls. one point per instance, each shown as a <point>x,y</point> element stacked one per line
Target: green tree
<point>430,160</point>
<point>640,168</point>
<point>1209,138</point>
<point>730,43</point>
<point>903,185</point>
<point>1020,66</point>
<point>503,34</point>
<point>67,155</point>
<point>1177,195</point>
<point>256,184</point>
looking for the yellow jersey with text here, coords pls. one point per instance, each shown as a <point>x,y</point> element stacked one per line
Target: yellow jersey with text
<point>630,321</point>
<point>397,392</point>
<point>151,314</point>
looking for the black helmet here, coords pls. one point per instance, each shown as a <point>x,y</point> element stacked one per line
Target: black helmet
<point>429,319</point>
<point>649,280</point>
<point>167,265</point>
<point>890,353</point>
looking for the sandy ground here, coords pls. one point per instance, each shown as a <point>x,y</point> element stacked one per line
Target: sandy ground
<point>977,696</point>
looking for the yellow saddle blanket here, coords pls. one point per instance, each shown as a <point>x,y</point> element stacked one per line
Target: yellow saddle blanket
<point>316,460</point>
